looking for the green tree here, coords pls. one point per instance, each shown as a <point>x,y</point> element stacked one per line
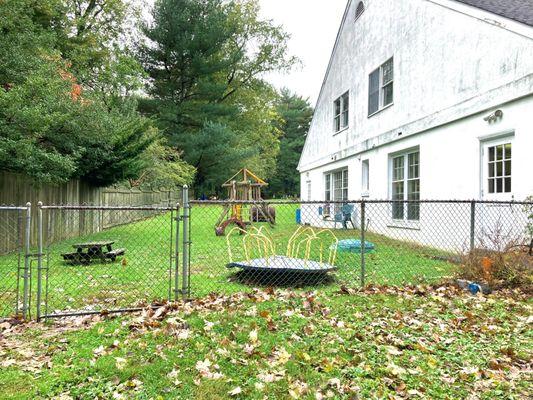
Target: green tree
<point>206,90</point>
<point>65,109</point>
<point>296,114</point>
<point>163,168</point>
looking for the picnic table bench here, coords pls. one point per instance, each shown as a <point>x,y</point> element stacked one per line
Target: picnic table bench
<point>87,252</point>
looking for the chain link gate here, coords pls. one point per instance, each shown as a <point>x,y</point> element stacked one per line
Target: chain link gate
<point>98,259</point>
<point>15,261</point>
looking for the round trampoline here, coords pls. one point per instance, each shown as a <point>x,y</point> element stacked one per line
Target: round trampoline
<point>283,264</point>
<point>257,253</point>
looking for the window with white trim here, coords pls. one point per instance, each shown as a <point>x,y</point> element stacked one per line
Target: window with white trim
<point>359,10</point>
<point>405,185</point>
<point>336,189</point>
<point>341,107</point>
<point>500,168</point>
<point>381,87</point>
<point>365,177</point>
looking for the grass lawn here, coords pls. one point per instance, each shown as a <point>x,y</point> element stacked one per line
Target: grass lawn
<point>147,272</point>
<point>383,343</point>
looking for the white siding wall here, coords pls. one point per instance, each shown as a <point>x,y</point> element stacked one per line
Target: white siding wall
<point>450,159</point>
<point>447,65</point>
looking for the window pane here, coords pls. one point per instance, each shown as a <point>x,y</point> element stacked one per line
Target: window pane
<point>345,119</point>
<point>397,191</point>
<point>337,123</point>
<point>508,151</point>
<point>365,181</point>
<point>345,102</point>
<point>373,92</point>
<point>413,190</point>
<point>397,194</point>
<point>397,168</point>
<point>492,169</point>
<point>397,210</point>
<point>491,186</point>
<point>414,166</point>
<point>499,185</point>
<point>360,9</point>
<point>413,194</point>
<point>413,211</point>
<point>508,168</point>
<point>387,95</point>
<point>499,169</point>
<point>499,152</point>
<point>337,107</point>
<point>491,153</point>
<point>388,71</point>
<point>337,186</point>
<point>508,185</point>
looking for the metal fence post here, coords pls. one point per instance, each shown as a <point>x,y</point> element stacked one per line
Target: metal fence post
<point>472,225</point>
<point>27,255</point>
<point>39,257</point>
<point>186,242</point>
<point>177,255</point>
<point>363,244</point>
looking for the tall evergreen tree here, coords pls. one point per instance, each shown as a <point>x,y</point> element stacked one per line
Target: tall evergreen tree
<point>205,60</point>
<point>296,114</point>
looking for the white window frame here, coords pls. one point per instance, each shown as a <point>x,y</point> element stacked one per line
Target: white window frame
<point>485,165</point>
<point>341,119</point>
<point>336,193</point>
<point>365,178</point>
<point>382,87</point>
<point>410,212</point>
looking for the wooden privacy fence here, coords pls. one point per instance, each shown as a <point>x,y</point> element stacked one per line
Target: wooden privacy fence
<point>18,190</point>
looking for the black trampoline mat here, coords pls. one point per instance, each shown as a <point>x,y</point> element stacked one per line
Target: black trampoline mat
<point>283,264</point>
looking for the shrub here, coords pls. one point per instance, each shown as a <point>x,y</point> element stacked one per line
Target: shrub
<point>500,259</point>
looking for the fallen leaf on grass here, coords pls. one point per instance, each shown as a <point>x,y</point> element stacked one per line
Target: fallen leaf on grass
<point>253,336</point>
<point>120,363</point>
<point>235,392</point>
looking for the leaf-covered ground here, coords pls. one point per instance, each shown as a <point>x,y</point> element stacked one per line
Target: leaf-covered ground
<point>420,342</point>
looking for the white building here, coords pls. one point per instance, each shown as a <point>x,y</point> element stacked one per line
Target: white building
<point>424,99</point>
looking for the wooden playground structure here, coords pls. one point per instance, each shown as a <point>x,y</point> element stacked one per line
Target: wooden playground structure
<point>244,191</point>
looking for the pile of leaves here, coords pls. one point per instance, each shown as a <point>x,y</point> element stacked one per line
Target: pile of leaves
<point>381,342</point>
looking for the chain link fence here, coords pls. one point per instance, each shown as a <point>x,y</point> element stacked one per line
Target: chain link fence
<point>312,244</point>
<point>96,259</point>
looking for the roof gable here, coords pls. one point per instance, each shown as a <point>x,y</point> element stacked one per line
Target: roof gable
<point>518,10</point>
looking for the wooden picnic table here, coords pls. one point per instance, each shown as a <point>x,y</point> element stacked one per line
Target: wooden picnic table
<point>102,251</point>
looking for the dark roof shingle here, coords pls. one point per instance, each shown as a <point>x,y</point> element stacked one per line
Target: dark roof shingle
<point>518,10</point>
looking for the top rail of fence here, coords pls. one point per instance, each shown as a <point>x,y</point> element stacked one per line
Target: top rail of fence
<point>111,208</point>
<point>13,208</point>
<point>296,201</point>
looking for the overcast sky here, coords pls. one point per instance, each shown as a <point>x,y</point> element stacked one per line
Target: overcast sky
<point>313,25</point>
